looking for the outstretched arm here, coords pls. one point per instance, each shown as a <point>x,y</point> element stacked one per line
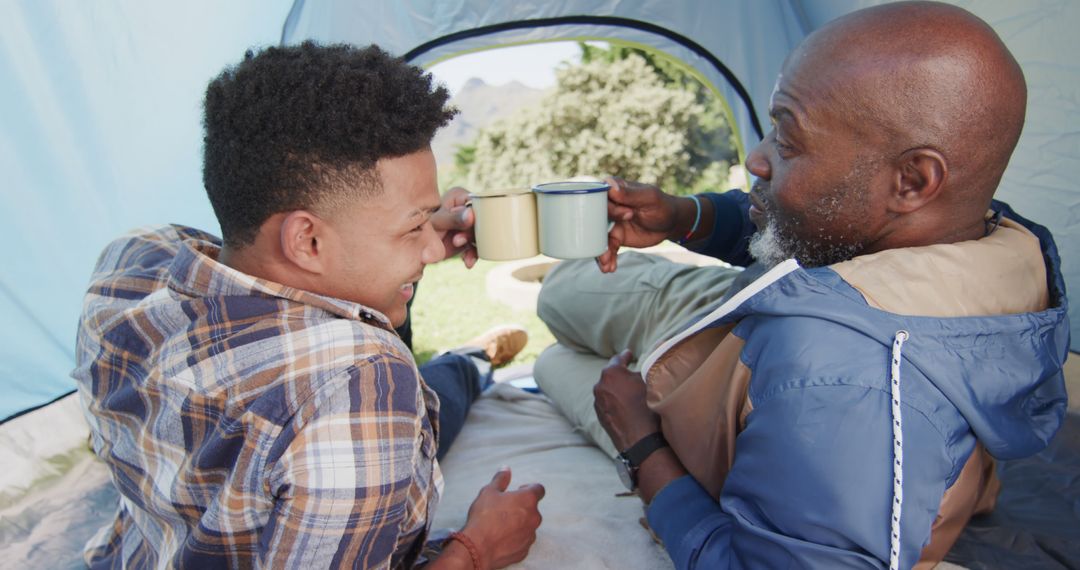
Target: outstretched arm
<point>644,215</point>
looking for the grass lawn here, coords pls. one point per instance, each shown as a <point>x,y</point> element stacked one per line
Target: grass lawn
<point>452,306</point>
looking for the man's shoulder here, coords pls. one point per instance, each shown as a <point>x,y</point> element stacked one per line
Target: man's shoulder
<point>131,271</point>
<point>144,254</point>
<point>150,239</point>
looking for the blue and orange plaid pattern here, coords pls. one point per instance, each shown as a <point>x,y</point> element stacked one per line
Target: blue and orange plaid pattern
<point>249,424</point>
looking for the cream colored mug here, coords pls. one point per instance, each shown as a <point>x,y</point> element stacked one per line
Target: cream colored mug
<point>505,225</point>
<point>573,219</point>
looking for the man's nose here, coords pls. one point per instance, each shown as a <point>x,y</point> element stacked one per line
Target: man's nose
<point>434,250</point>
<point>757,162</point>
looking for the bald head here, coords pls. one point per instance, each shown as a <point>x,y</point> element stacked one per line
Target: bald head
<point>892,128</point>
<point>925,74</point>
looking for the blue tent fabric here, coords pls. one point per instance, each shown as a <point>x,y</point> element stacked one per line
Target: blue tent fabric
<point>101,133</point>
<point>1037,517</point>
<point>101,123</point>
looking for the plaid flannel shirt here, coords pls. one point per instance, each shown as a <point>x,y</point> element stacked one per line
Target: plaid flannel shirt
<point>249,424</point>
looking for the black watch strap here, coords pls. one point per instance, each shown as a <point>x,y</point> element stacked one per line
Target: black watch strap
<point>640,451</point>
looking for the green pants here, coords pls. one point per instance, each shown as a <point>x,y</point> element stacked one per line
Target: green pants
<point>594,316</point>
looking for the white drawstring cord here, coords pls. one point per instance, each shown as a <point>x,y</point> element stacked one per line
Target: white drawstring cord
<point>898,452</point>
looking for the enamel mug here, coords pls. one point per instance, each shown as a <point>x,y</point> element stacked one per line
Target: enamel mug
<point>572,219</point>
<point>505,226</point>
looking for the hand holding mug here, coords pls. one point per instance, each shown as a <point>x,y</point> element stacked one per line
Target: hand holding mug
<point>643,214</point>
<point>454,221</point>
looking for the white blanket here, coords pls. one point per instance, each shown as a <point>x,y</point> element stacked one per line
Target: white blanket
<point>54,498</point>
<point>585,524</point>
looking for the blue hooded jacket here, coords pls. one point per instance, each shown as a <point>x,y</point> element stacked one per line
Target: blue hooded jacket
<point>812,482</point>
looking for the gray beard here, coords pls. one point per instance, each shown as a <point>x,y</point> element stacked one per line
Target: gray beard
<point>768,248</point>
<point>774,243</point>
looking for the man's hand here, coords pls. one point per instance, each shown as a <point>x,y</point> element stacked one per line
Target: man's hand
<point>503,523</point>
<point>454,223</point>
<point>643,214</point>
<point>620,403</point>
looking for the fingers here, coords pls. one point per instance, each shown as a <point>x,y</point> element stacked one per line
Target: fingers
<point>623,358</point>
<point>503,524</point>
<point>454,212</point>
<point>468,216</point>
<point>501,480</point>
<point>621,191</point>
<point>632,194</point>
<point>462,242</point>
<point>534,488</point>
<point>619,207</point>
<point>618,212</point>
<point>456,196</point>
<point>455,225</point>
<point>458,217</point>
<point>609,260</point>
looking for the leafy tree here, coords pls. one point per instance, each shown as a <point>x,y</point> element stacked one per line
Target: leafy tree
<point>623,112</point>
<point>711,142</point>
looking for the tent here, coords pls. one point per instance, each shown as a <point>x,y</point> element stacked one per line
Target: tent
<point>101,106</point>
<point>101,116</point>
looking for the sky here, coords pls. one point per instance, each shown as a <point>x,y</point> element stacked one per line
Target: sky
<point>533,65</point>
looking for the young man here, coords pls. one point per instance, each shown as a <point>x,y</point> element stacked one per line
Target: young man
<point>249,394</point>
<point>841,411</point>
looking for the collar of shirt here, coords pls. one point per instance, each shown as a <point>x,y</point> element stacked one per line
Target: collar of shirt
<point>195,271</point>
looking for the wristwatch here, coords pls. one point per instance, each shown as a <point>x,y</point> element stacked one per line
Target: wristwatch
<point>631,459</point>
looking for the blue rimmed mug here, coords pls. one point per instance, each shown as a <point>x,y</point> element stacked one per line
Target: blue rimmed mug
<point>572,219</point>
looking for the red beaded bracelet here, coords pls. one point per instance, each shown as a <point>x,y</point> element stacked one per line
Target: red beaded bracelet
<point>469,545</point>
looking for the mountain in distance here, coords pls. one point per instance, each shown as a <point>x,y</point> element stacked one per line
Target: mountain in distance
<point>479,105</point>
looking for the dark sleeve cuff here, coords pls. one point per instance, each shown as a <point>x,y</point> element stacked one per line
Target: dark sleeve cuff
<point>732,228</point>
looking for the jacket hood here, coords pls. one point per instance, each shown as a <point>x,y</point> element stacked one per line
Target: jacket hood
<point>1002,373</point>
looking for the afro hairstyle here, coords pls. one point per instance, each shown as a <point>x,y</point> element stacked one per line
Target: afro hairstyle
<point>290,128</point>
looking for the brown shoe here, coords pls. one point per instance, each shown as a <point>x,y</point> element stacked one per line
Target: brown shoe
<point>501,343</point>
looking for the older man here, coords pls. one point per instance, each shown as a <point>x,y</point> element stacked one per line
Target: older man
<point>843,408</point>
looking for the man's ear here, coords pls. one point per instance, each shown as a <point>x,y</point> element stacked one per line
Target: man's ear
<point>920,178</point>
<point>303,237</point>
